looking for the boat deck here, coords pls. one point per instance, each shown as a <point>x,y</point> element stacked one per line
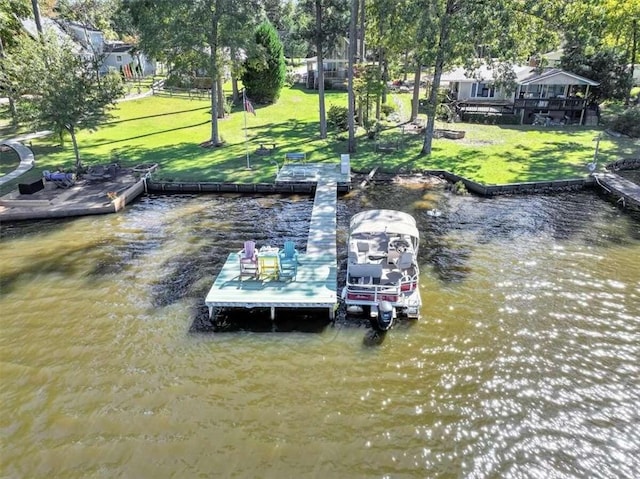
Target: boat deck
<point>315,285</point>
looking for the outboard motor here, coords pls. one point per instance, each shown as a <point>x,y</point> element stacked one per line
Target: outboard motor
<point>386,314</point>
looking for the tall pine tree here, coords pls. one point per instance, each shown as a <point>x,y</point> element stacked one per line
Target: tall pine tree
<point>265,68</point>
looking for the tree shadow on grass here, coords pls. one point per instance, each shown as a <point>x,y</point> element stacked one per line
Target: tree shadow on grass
<point>145,117</point>
<point>155,133</point>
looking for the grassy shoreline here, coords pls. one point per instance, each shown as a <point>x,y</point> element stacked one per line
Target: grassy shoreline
<point>169,130</point>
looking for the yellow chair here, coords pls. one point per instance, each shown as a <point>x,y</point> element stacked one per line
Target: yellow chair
<point>268,266</point>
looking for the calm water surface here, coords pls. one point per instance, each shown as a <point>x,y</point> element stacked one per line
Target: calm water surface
<point>525,363</point>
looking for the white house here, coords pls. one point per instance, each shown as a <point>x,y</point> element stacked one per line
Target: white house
<point>125,58</point>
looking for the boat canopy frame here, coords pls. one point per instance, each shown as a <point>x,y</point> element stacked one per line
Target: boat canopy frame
<point>384,221</point>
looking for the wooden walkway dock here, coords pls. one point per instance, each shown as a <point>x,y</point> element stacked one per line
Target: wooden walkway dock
<point>315,286</point>
<point>627,191</point>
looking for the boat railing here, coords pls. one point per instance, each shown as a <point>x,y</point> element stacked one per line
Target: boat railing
<point>366,289</point>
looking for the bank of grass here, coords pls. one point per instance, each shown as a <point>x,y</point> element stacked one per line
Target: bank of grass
<point>169,130</point>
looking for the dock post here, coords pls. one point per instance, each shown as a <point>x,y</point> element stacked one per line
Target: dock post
<point>273,313</point>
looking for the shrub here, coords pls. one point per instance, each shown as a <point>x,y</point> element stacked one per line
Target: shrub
<point>387,109</point>
<point>491,119</point>
<point>627,122</point>
<point>338,117</point>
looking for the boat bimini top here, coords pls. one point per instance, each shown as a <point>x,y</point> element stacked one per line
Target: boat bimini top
<point>383,221</point>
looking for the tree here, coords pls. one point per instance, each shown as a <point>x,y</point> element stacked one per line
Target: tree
<point>195,30</point>
<point>265,68</point>
<point>606,65</point>
<point>57,89</point>
<point>95,13</point>
<point>598,31</point>
<point>330,21</point>
<point>451,32</point>
<point>281,13</point>
<point>10,31</point>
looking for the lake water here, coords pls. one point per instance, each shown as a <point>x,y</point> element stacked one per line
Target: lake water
<point>525,363</point>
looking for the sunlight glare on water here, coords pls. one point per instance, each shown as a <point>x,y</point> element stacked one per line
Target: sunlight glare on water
<point>524,363</point>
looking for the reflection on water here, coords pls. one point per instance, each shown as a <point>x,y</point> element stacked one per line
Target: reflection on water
<point>524,364</point>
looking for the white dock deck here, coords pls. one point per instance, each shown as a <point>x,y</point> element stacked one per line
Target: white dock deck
<point>315,285</point>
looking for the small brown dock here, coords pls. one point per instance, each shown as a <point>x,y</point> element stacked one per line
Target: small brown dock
<point>627,192</point>
<point>84,197</point>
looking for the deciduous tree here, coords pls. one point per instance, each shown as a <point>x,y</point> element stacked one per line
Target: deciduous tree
<point>57,89</point>
<point>329,22</point>
<point>174,31</point>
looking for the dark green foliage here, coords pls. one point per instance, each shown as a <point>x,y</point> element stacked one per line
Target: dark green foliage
<point>483,119</point>
<point>57,89</point>
<point>337,117</point>
<point>628,122</point>
<point>604,65</point>
<point>265,68</point>
<point>387,109</point>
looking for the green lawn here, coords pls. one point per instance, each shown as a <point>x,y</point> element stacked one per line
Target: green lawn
<point>9,160</point>
<point>169,130</point>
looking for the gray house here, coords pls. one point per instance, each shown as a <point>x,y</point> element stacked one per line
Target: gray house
<point>90,43</point>
<point>555,94</point>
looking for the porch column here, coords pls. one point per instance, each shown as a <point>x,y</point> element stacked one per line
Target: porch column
<point>586,95</point>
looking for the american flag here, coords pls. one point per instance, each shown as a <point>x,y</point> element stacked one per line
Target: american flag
<point>248,106</point>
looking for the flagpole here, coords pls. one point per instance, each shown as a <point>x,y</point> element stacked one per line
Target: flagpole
<point>246,139</point>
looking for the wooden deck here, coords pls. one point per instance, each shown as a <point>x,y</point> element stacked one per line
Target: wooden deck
<point>316,282</point>
<point>627,191</point>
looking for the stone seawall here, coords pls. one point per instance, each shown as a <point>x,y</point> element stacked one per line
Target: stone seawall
<point>626,164</point>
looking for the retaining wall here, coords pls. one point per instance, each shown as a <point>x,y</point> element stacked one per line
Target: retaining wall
<point>207,187</point>
<point>626,164</point>
<point>530,187</point>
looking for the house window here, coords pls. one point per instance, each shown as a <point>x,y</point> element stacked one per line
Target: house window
<point>119,58</point>
<point>482,90</point>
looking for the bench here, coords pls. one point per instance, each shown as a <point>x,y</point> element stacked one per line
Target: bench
<point>298,157</point>
<point>387,147</point>
<point>365,273</point>
<point>265,150</point>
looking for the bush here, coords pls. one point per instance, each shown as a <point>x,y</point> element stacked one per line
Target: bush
<point>387,109</point>
<point>491,119</point>
<point>338,117</point>
<point>627,122</point>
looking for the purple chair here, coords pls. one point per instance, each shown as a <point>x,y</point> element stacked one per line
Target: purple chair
<point>248,260</point>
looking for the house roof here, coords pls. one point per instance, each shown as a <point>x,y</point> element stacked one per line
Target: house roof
<point>525,75</point>
<point>83,26</point>
<point>50,25</point>
<point>557,76</point>
<point>118,47</point>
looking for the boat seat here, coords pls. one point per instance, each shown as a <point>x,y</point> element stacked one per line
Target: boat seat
<point>392,256</point>
<point>405,261</point>
<point>370,272</point>
<point>363,246</point>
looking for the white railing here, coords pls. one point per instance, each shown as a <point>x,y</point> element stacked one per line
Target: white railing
<point>371,292</point>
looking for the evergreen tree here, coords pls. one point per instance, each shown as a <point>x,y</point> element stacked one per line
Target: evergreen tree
<point>265,68</point>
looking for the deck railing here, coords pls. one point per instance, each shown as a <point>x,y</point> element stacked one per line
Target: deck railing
<point>557,104</point>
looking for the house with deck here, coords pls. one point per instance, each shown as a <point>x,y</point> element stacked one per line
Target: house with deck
<point>554,95</point>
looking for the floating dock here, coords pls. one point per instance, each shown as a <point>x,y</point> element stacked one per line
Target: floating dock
<point>316,282</point>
